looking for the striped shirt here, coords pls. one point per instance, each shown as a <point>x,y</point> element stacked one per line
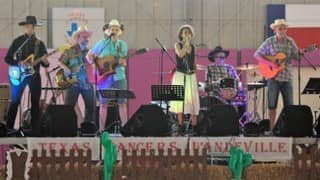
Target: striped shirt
<point>272,46</point>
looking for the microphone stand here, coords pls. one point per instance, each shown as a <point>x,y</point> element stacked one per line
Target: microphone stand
<point>163,51</point>
<point>53,99</point>
<point>307,59</point>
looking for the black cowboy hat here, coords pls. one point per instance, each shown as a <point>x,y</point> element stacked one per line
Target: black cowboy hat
<point>216,50</point>
<point>30,20</point>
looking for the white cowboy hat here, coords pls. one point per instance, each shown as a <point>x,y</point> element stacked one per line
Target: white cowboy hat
<point>278,22</point>
<point>113,22</point>
<point>188,26</point>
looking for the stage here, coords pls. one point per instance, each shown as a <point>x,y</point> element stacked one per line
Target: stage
<point>273,157</point>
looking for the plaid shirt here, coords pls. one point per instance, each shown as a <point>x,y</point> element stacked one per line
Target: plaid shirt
<point>215,73</point>
<point>272,46</point>
<point>74,59</point>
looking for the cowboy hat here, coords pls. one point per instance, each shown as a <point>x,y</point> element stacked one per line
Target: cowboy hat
<point>216,50</point>
<point>30,20</point>
<point>82,29</point>
<point>113,22</point>
<point>278,22</point>
<point>186,26</point>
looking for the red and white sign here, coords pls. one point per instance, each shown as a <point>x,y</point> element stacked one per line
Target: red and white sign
<point>157,143</point>
<point>66,144</point>
<point>262,148</point>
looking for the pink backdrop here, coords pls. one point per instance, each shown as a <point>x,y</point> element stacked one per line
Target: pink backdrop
<point>143,70</point>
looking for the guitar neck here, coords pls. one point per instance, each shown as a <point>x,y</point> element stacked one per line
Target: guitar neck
<point>37,61</point>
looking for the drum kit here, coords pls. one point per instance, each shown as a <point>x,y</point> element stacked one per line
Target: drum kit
<point>230,91</point>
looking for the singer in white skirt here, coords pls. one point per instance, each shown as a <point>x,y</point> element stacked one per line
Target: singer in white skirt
<point>186,75</point>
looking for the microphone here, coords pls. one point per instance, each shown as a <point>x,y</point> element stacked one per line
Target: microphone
<point>142,50</point>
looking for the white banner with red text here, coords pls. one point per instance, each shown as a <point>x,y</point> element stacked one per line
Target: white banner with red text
<point>67,144</point>
<point>261,148</point>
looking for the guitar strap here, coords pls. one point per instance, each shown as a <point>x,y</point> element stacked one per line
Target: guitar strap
<point>36,53</point>
<point>36,47</point>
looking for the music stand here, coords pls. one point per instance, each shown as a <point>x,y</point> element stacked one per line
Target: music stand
<point>312,87</point>
<point>116,94</point>
<point>167,93</point>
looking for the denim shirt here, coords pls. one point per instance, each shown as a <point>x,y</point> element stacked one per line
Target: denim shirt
<point>118,49</point>
<point>74,58</point>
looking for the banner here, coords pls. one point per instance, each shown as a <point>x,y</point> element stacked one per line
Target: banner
<point>261,148</point>
<point>65,143</point>
<point>65,21</point>
<point>148,143</point>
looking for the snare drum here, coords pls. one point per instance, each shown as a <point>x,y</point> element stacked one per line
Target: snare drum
<point>228,88</point>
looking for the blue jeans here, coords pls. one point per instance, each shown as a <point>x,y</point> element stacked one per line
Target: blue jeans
<point>72,95</point>
<point>274,88</point>
<point>34,83</point>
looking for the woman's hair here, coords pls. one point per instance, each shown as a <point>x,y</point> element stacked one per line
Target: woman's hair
<point>180,33</point>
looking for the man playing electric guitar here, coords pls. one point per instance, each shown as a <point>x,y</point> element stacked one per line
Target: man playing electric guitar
<point>111,45</point>
<point>21,48</point>
<point>282,80</point>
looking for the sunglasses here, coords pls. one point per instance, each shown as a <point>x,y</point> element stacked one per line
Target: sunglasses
<point>220,57</point>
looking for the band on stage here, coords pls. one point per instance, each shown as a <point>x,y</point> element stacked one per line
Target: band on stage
<point>106,60</point>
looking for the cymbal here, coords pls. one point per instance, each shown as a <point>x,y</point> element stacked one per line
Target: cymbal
<point>246,67</point>
<point>201,85</point>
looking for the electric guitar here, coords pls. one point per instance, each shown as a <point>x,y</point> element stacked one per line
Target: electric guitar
<point>280,61</point>
<point>17,73</point>
<point>64,82</point>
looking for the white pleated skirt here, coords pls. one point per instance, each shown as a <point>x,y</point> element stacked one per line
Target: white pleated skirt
<point>191,96</point>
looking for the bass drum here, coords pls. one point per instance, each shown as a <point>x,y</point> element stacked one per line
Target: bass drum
<point>207,102</point>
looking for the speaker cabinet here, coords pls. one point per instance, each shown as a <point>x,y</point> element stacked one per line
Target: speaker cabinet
<point>148,120</point>
<point>218,120</point>
<point>294,121</point>
<point>59,121</point>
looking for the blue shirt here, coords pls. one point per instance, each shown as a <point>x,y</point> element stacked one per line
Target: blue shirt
<point>118,49</point>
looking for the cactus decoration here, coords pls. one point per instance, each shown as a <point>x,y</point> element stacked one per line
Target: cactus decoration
<point>239,160</point>
<point>110,155</point>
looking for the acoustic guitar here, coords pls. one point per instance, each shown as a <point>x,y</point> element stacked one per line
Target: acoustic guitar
<point>279,59</point>
<point>106,65</point>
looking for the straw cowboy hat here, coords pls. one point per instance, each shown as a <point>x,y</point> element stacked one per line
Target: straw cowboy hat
<point>278,22</point>
<point>82,29</point>
<point>112,23</point>
<point>186,26</point>
<point>216,50</point>
<point>30,20</point>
